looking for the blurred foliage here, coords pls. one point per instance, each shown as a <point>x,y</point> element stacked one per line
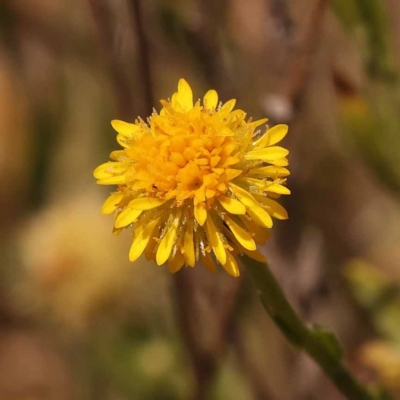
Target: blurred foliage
<point>380,296</point>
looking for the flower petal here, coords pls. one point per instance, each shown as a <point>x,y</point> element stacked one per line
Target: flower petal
<point>274,208</point>
<point>260,216</point>
<point>270,171</point>
<point>260,234</point>
<point>111,204</point>
<point>231,266</point>
<point>280,162</point>
<point>176,263</point>
<point>185,95</point>
<point>103,170</point>
<point>145,203</point>
<point>113,180</point>
<point>141,239</point>
<point>216,241</point>
<point>231,205</point>
<point>200,213</point>
<point>208,262</point>
<point>126,217</point>
<point>267,154</point>
<point>277,188</point>
<point>210,100</point>
<point>228,106</point>
<point>272,136</point>
<point>188,244</point>
<point>241,235</point>
<point>124,128</point>
<point>168,241</point>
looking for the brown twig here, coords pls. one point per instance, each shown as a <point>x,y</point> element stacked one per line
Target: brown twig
<point>204,359</point>
<point>300,65</point>
<point>279,10</point>
<point>101,14</point>
<point>136,14</point>
<point>254,375</point>
<point>281,105</point>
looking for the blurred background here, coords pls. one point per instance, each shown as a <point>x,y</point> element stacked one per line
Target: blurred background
<point>77,320</point>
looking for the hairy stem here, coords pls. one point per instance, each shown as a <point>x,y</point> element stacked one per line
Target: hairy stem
<point>319,344</point>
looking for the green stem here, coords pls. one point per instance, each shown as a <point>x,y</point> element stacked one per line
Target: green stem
<point>320,344</point>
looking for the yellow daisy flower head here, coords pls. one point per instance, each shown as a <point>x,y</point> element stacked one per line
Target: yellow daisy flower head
<point>196,182</point>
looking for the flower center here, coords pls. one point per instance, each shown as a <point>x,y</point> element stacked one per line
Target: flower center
<point>185,156</point>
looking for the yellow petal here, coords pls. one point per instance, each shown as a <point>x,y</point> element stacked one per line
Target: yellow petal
<point>126,217</point>
<point>145,203</point>
<point>228,106</point>
<point>231,266</point>
<point>260,233</point>
<point>253,125</point>
<point>124,128</point>
<point>200,213</point>
<point>276,188</point>
<point>270,171</point>
<point>274,208</point>
<point>241,235</point>
<point>113,180</point>
<point>118,155</point>
<point>185,95</point>
<point>208,262</point>
<point>231,205</point>
<point>122,141</point>
<point>168,241</point>
<point>143,234</point>
<point>111,204</point>
<point>103,170</point>
<point>176,263</point>
<point>280,162</point>
<point>150,250</point>
<point>188,244</point>
<point>232,173</point>
<point>253,182</point>
<point>272,136</point>
<point>210,100</point>
<point>255,255</point>
<point>260,216</point>
<point>216,241</point>
<point>267,154</point>
<point>243,195</point>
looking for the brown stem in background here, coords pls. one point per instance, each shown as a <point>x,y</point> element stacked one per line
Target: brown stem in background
<point>144,69</point>
<point>279,10</point>
<point>101,14</point>
<point>301,63</point>
<point>281,105</point>
<point>256,378</point>
<point>204,40</point>
<point>204,359</point>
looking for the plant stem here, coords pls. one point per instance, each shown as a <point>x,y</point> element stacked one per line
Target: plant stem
<point>320,344</point>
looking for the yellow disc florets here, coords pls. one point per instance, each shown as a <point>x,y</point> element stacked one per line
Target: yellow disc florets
<point>196,182</point>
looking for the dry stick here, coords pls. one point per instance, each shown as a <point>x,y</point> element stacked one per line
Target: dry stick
<point>105,29</point>
<point>255,377</point>
<point>136,14</point>
<point>292,85</point>
<point>279,10</point>
<point>204,361</point>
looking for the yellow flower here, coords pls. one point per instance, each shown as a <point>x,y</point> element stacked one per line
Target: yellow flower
<point>196,182</point>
